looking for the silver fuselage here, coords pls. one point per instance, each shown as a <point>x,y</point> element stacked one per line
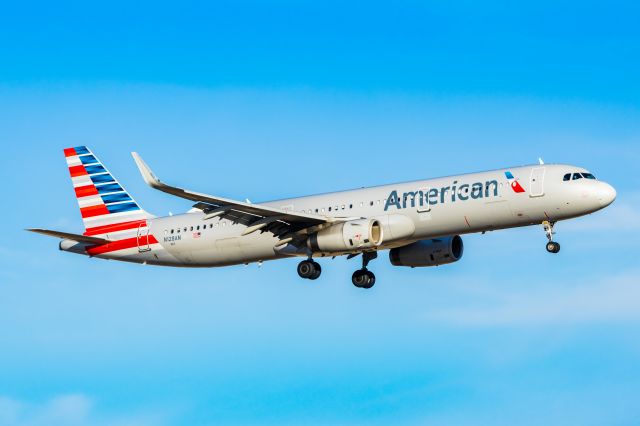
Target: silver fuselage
<point>410,211</point>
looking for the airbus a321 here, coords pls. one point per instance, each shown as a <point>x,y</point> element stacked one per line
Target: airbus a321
<point>419,222</point>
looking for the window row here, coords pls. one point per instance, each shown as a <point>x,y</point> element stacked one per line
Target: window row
<point>194,228</point>
<point>341,207</point>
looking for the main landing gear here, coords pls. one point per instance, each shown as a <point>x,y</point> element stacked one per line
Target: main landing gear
<point>309,269</point>
<point>363,278</point>
<point>552,246</point>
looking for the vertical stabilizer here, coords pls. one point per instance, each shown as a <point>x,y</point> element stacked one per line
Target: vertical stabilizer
<point>105,206</point>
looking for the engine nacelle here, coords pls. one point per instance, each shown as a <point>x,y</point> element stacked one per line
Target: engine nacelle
<point>347,236</point>
<point>438,251</point>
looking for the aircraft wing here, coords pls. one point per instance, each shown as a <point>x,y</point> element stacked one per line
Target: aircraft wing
<point>255,216</point>
<point>69,236</point>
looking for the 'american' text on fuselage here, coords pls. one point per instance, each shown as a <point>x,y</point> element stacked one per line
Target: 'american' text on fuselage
<point>442,195</point>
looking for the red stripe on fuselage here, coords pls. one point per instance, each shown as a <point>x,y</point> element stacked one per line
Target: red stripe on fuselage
<point>84,191</point>
<point>77,171</point>
<point>114,227</point>
<point>94,211</point>
<point>121,245</point>
<point>69,152</point>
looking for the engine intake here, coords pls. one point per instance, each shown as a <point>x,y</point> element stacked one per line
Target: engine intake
<point>347,236</point>
<point>439,251</point>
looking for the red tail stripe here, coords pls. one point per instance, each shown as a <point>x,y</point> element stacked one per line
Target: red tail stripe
<point>121,245</point>
<point>94,211</point>
<point>77,171</point>
<point>114,227</point>
<point>68,152</point>
<point>84,191</point>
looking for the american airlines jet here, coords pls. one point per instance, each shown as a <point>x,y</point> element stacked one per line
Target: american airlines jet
<point>419,222</point>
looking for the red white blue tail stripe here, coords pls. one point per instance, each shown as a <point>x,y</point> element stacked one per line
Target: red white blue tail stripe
<point>513,182</point>
<point>106,207</point>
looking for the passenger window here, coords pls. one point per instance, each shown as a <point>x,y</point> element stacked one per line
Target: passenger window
<point>567,177</point>
<point>343,207</point>
<point>198,227</point>
<point>192,228</point>
<point>577,176</point>
<point>371,203</point>
<point>350,206</point>
<point>329,208</point>
<point>178,230</point>
<point>185,229</point>
<point>172,231</point>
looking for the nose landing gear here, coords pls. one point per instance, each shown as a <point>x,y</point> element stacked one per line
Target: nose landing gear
<point>552,246</point>
<point>309,269</point>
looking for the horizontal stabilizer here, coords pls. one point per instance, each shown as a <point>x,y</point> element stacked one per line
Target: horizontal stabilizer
<point>69,236</point>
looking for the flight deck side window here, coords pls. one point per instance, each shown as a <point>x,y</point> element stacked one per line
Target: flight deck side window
<point>567,177</point>
<point>588,176</point>
<point>577,176</point>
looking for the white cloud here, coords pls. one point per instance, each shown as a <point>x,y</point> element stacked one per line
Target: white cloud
<point>615,299</point>
<point>67,410</point>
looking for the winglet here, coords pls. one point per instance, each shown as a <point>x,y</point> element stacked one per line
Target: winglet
<point>149,177</point>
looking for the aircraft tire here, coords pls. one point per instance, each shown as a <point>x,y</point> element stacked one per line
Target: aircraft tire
<point>553,247</point>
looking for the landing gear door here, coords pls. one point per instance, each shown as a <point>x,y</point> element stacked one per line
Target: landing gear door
<point>143,238</point>
<point>537,182</point>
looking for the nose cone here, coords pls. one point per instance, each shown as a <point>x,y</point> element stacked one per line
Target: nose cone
<point>605,194</point>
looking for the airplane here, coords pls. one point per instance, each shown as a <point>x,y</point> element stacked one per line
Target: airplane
<point>419,222</point>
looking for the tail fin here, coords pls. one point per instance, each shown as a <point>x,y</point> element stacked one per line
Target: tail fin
<point>105,206</point>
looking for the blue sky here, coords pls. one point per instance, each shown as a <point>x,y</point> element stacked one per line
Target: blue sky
<point>268,100</point>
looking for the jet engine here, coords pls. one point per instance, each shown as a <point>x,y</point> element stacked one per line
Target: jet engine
<point>347,236</point>
<point>438,251</point>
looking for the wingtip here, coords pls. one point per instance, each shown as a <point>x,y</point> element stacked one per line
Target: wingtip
<point>145,171</point>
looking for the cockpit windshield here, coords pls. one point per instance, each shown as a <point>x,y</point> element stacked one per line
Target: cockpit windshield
<point>576,176</point>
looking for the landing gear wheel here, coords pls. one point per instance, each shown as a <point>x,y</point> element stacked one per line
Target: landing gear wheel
<point>553,247</point>
<point>318,271</point>
<point>309,269</point>
<point>371,279</point>
<point>363,278</point>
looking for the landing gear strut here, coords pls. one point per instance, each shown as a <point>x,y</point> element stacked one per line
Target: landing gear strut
<point>363,278</point>
<point>309,269</point>
<point>552,246</point>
